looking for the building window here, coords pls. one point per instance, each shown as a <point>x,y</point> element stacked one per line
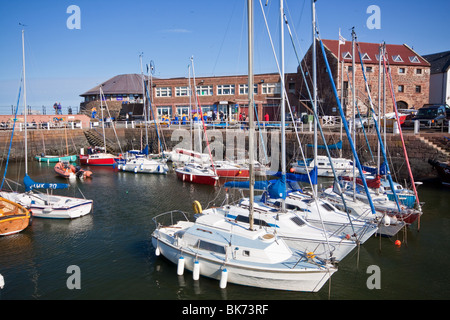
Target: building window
<point>292,88</point>
<point>402,70</point>
<point>346,55</point>
<point>414,59</point>
<point>205,90</point>
<point>271,88</point>
<point>181,91</point>
<point>397,58</point>
<point>164,111</point>
<point>183,110</point>
<point>163,91</point>
<point>401,88</point>
<point>418,71</point>
<point>369,69</point>
<point>225,89</point>
<point>366,57</point>
<point>418,89</point>
<point>243,89</point>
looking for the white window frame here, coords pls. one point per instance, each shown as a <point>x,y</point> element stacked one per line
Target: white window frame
<point>205,90</point>
<point>182,91</point>
<point>162,110</point>
<point>243,89</point>
<point>161,92</point>
<point>271,88</point>
<point>226,89</point>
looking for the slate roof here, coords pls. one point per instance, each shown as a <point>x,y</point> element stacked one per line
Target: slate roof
<point>121,84</point>
<point>397,54</point>
<point>440,62</point>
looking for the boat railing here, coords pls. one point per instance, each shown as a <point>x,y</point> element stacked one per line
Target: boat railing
<point>169,218</point>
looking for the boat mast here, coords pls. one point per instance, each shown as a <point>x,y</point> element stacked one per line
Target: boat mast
<point>250,110</point>
<point>143,100</point>
<point>103,119</point>
<point>314,85</point>
<point>354,105</point>
<point>25,102</point>
<point>283,108</point>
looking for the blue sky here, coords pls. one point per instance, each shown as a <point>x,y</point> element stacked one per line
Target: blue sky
<point>62,63</point>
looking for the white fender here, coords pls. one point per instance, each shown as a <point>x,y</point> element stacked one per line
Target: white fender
<point>223,279</point>
<point>196,272</point>
<point>180,268</point>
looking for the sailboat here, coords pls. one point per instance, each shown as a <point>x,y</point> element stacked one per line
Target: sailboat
<point>98,156</point>
<point>218,247</point>
<point>13,217</point>
<point>141,162</point>
<point>45,205</point>
<point>198,172</point>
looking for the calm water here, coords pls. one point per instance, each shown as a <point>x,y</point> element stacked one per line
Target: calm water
<point>112,247</point>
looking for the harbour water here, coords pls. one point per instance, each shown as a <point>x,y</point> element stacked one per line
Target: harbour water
<point>112,249</point>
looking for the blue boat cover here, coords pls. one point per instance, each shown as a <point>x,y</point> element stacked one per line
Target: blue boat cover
<point>330,146</point>
<point>30,184</point>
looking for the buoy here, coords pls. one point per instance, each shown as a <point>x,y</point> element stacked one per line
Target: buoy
<point>223,279</point>
<point>292,170</point>
<point>2,282</point>
<point>135,169</point>
<point>398,243</point>
<point>157,252</point>
<point>196,272</point>
<point>180,269</point>
<point>386,221</point>
<point>347,236</point>
<point>197,207</point>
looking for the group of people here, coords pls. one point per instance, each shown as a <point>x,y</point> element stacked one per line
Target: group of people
<point>57,108</point>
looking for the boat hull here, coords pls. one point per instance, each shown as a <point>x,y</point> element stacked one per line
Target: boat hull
<point>100,161</point>
<point>233,173</point>
<point>197,178</point>
<point>54,159</point>
<point>13,217</point>
<point>278,279</point>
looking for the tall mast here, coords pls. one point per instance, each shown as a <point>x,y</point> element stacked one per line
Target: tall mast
<point>354,105</point>
<point>143,97</point>
<point>314,85</point>
<point>283,108</point>
<point>250,109</point>
<point>25,101</point>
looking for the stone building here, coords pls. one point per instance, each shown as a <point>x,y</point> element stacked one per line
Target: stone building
<point>410,77</point>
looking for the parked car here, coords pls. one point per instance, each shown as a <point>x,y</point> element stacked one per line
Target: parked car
<point>432,115</point>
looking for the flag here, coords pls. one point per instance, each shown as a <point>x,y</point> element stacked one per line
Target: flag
<point>341,38</point>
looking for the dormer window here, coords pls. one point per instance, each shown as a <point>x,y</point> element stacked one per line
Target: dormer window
<point>366,57</point>
<point>414,59</point>
<point>346,55</point>
<point>397,58</point>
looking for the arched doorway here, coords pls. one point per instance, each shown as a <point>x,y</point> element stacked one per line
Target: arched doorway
<point>402,105</point>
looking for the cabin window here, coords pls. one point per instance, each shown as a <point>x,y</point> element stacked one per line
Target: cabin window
<point>327,206</point>
<point>246,253</point>
<point>211,246</point>
<point>298,221</point>
<point>246,219</point>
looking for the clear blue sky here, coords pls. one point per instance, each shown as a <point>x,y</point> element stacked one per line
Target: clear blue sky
<point>62,63</point>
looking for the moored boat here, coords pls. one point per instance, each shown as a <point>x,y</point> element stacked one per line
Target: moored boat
<point>13,217</point>
<point>196,173</point>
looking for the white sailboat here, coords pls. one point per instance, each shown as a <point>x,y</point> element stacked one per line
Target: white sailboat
<point>218,247</point>
<point>142,162</point>
<point>45,205</point>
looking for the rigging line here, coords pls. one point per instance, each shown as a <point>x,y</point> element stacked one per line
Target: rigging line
<point>391,89</point>
<point>283,91</point>
<point>224,36</point>
<point>12,134</point>
<point>321,132</point>
<point>363,178</point>
<point>360,120</point>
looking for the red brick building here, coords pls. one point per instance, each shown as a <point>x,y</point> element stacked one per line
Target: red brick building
<point>225,94</point>
<point>410,74</point>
